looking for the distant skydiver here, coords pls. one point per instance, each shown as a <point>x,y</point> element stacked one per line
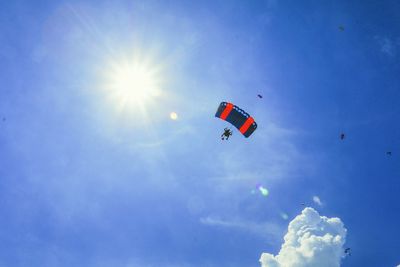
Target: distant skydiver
<point>260,96</point>
<point>226,134</point>
<point>341,28</point>
<point>389,153</point>
<point>347,251</point>
<point>342,136</point>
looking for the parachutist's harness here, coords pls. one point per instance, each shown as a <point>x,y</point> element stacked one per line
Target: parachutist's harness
<point>226,134</point>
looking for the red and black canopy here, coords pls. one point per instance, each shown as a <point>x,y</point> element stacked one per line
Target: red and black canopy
<point>237,117</point>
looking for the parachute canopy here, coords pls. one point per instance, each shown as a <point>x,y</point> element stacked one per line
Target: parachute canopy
<point>237,117</point>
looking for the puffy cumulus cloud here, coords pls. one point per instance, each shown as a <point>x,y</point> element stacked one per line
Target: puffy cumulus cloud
<point>311,241</point>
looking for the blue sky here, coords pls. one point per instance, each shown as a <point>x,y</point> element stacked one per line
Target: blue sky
<point>88,181</point>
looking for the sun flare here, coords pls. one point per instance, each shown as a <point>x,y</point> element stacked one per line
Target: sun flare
<point>135,83</point>
<point>132,85</point>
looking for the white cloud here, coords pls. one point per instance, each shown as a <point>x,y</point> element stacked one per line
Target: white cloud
<point>311,241</point>
<point>317,200</point>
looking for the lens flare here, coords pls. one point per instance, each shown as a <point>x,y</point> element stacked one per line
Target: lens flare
<point>264,191</point>
<point>173,116</point>
<point>284,216</point>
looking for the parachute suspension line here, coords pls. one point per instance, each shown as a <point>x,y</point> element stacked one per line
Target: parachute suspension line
<point>226,111</point>
<point>246,125</point>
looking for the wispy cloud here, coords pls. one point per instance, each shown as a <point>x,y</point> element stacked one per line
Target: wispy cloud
<point>387,45</point>
<point>286,160</point>
<point>317,200</point>
<point>268,230</point>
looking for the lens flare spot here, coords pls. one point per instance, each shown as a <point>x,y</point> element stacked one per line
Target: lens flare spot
<point>264,191</point>
<point>259,188</point>
<point>173,116</point>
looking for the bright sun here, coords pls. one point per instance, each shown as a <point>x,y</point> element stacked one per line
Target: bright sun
<point>133,84</point>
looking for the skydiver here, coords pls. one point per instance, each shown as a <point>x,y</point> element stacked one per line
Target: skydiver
<point>226,134</point>
<point>341,28</point>
<point>389,153</point>
<point>342,136</point>
<point>347,251</point>
<point>260,96</point>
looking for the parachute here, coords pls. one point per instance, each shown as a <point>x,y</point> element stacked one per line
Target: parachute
<point>237,117</point>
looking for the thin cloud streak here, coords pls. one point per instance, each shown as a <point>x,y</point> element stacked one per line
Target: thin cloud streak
<point>268,230</point>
